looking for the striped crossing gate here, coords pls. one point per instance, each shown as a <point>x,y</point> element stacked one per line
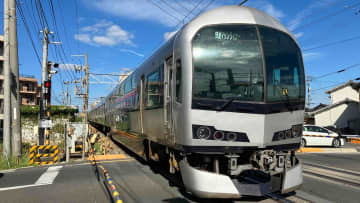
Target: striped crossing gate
<point>326,136</point>
<point>44,154</point>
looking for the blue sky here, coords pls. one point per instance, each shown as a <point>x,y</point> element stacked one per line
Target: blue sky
<point>122,33</point>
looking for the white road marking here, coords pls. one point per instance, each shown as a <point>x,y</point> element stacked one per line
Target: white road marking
<point>47,178</point>
<point>19,187</point>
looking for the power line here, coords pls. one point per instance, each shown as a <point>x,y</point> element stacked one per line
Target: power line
<point>23,19</point>
<point>327,16</point>
<point>338,71</point>
<point>337,84</point>
<point>171,7</point>
<point>163,10</point>
<point>332,43</point>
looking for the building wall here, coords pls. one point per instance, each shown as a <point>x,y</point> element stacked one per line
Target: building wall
<point>339,115</point>
<point>344,93</point>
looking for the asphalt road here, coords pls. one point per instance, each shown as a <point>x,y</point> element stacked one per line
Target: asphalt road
<point>327,178</point>
<point>332,177</point>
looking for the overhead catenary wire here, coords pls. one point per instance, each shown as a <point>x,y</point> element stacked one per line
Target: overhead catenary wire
<point>171,7</point>
<point>163,10</point>
<point>323,18</point>
<point>338,71</point>
<point>332,43</point>
<point>337,84</point>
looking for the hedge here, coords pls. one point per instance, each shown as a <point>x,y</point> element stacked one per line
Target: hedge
<point>54,110</point>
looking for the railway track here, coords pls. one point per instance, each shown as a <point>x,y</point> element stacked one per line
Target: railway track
<point>324,173</point>
<point>332,174</point>
<point>175,180</point>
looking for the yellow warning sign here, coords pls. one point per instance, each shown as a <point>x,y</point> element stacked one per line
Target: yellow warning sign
<point>285,91</point>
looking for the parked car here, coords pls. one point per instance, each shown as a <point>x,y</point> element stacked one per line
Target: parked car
<point>319,136</point>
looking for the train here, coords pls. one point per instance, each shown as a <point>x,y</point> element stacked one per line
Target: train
<point>221,104</point>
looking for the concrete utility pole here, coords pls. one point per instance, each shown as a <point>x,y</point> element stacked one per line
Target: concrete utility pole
<point>44,77</point>
<point>308,80</point>
<point>67,93</point>
<point>6,85</point>
<point>86,103</point>
<point>15,86</point>
<point>84,81</point>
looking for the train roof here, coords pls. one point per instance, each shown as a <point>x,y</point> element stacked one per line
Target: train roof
<point>233,14</point>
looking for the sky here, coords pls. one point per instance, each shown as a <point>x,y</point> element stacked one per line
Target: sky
<point>120,34</point>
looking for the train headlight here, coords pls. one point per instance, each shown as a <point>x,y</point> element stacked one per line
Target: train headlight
<point>203,132</point>
<point>296,130</point>
<point>218,135</point>
<point>281,135</point>
<point>288,134</point>
<point>231,136</point>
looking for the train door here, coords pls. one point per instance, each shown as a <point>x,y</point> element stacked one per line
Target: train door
<point>168,98</point>
<point>141,103</point>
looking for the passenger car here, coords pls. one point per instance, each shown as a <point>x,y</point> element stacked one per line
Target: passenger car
<point>319,136</point>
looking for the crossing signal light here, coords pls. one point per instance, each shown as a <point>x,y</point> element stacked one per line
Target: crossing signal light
<point>48,84</point>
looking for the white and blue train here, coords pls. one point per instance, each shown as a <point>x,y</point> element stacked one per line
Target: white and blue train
<point>221,102</point>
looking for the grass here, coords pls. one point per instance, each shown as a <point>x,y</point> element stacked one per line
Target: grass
<point>4,163</point>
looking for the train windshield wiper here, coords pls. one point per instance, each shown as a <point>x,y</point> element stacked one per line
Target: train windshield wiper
<point>204,105</point>
<point>288,103</point>
<point>222,107</point>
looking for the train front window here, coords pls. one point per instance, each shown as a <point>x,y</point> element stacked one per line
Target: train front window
<point>284,67</point>
<point>228,63</point>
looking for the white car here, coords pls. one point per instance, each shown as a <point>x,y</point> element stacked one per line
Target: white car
<point>318,136</point>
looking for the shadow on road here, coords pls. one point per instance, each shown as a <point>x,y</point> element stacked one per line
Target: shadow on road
<point>1,175</point>
<point>176,180</point>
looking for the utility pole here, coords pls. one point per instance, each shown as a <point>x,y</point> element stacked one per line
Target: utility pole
<point>6,85</point>
<point>84,81</point>
<point>67,101</point>
<point>308,80</point>
<point>14,77</point>
<point>44,77</point>
<point>45,95</point>
<point>86,102</point>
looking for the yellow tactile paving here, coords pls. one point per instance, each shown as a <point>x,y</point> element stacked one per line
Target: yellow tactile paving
<point>355,140</point>
<point>309,149</point>
<point>109,157</point>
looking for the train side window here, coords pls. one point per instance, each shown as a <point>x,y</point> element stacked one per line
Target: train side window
<point>153,90</point>
<point>127,85</point>
<point>178,81</point>
<point>133,81</point>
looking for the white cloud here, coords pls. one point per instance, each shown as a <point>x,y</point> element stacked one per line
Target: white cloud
<point>267,7</point>
<point>168,35</point>
<point>310,55</point>
<point>83,38</point>
<point>298,35</point>
<point>132,52</point>
<point>271,10</point>
<point>303,14</point>
<point>148,10</point>
<point>105,33</point>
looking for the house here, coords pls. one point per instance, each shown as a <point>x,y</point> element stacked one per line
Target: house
<point>344,110</point>
<point>309,117</point>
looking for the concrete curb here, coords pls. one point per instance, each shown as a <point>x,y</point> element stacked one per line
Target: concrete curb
<point>327,150</point>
